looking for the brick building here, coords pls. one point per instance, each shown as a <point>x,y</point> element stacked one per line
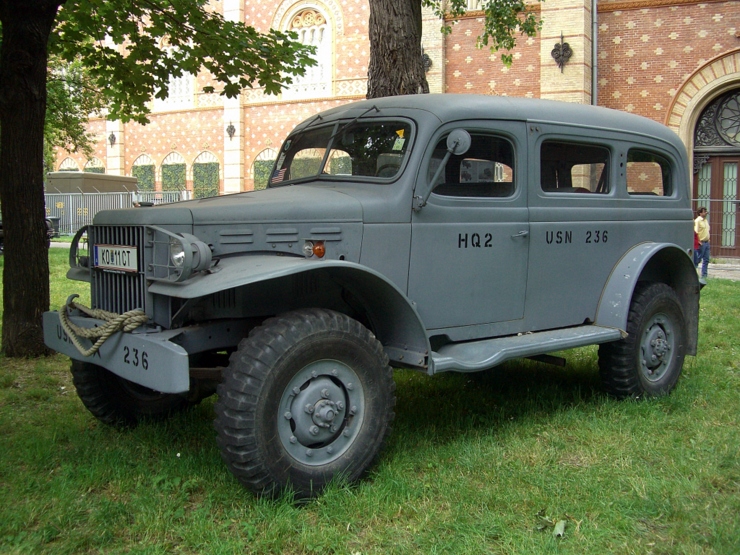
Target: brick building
<point>674,61</point>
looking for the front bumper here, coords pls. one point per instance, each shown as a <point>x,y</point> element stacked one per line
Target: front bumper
<point>144,357</point>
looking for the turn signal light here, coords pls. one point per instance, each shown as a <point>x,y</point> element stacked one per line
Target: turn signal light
<point>314,248</point>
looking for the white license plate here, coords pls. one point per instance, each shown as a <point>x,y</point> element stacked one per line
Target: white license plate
<point>115,257</point>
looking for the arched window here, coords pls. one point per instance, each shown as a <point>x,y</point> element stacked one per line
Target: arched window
<point>206,171</point>
<point>180,91</point>
<point>68,165</point>
<point>173,172</point>
<point>263,163</point>
<point>312,29</point>
<point>143,171</point>
<point>94,165</point>
<point>717,170</point>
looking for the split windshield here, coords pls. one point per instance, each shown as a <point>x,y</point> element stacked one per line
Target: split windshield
<point>372,151</point>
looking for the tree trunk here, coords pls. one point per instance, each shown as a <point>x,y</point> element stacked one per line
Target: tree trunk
<point>396,65</point>
<point>26,25</point>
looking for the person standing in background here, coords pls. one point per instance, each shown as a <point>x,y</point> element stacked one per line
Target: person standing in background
<point>701,228</point>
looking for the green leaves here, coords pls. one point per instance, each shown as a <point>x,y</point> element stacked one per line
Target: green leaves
<point>71,98</point>
<point>503,19</point>
<point>132,49</point>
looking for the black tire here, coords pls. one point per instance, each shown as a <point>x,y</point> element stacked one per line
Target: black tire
<point>119,402</point>
<point>308,397</point>
<point>649,360</point>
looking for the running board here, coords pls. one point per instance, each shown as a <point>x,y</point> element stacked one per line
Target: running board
<point>473,356</point>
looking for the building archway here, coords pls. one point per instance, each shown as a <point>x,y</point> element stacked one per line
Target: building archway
<point>702,113</point>
<point>174,172</point>
<point>68,165</point>
<point>714,78</point>
<point>94,165</point>
<point>262,166</point>
<point>144,171</point>
<point>314,23</point>
<point>206,175</point>
<point>716,162</point>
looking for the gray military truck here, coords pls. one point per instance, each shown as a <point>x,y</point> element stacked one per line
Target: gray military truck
<point>433,232</point>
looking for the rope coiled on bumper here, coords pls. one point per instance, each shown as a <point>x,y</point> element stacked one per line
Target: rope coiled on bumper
<point>128,321</point>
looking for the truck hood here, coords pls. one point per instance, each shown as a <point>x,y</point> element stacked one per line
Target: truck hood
<point>295,204</point>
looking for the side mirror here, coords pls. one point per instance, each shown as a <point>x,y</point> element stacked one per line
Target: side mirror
<point>458,142</point>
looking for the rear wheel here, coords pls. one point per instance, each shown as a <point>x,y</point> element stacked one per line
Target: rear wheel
<point>649,360</point>
<point>308,397</point>
<point>119,402</point>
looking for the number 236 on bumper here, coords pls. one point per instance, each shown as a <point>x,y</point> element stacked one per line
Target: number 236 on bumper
<point>147,359</point>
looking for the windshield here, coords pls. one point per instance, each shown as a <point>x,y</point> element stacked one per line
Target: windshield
<point>374,150</point>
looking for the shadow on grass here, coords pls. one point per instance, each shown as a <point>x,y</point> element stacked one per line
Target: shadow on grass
<point>452,402</point>
<point>434,409</point>
<point>447,406</point>
<point>431,412</point>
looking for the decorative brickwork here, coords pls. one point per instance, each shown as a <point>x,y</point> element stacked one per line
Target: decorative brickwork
<point>470,69</point>
<point>646,55</point>
<point>664,59</point>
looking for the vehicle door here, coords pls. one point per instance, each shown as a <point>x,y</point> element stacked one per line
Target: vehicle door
<point>469,242</point>
<point>594,194</point>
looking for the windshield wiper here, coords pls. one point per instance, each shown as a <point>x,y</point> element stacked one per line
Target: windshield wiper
<point>314,120</point>
<point>340,132</point>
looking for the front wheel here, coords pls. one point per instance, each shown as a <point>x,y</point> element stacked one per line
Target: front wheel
<point>308,397</point>
<point>649,360</point>
<point>119,402</point>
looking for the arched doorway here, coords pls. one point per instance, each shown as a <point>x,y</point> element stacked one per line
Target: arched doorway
<point>716,163</point>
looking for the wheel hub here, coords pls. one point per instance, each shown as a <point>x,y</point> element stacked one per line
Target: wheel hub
<point>324,413</point>
<point>656,349</point>
<point>321,412</point>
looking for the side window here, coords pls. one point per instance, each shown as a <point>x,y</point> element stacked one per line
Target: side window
<point>648,174</point>
<point>485,170</point>
<point>574,168</point>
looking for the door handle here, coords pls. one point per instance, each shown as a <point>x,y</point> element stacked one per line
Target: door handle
<point>520,234</point>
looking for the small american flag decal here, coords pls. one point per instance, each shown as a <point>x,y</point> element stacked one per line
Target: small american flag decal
<point>278,176</point>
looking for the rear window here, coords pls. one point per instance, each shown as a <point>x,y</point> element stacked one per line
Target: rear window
<point>648,174</point>
<point>574,168</point>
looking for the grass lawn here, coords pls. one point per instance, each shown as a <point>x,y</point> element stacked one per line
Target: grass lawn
<point>482,463</point>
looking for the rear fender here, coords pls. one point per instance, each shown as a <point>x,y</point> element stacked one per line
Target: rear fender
<point>387,311</point>
<point>658,262</point>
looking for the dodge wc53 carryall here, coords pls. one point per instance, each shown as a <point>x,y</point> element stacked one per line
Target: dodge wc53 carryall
<point>433,232</point>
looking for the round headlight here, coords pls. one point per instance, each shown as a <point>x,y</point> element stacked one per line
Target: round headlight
<point>177,253</point>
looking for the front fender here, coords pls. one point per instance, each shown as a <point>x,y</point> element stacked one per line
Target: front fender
<point>393,318</point>
<point>663,262</point>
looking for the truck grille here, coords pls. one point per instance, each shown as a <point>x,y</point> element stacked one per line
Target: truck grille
<point>119,292</point>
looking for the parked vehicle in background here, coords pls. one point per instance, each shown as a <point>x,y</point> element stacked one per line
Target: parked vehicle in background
<point>51,232</point>
<point>438,233</point>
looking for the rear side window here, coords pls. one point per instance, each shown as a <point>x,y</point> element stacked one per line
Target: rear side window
<point>574,168</point>
<point>648,174</point>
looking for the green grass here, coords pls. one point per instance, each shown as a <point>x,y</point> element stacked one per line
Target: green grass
<point>472,461</point>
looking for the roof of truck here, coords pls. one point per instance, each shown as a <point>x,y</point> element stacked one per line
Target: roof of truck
<point>453,107</point>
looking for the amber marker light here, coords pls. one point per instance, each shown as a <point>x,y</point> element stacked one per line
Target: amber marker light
<point>314,248</point>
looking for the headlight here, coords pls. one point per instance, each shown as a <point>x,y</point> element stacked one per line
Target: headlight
<point>177,253</point>
<point>188,255</point>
